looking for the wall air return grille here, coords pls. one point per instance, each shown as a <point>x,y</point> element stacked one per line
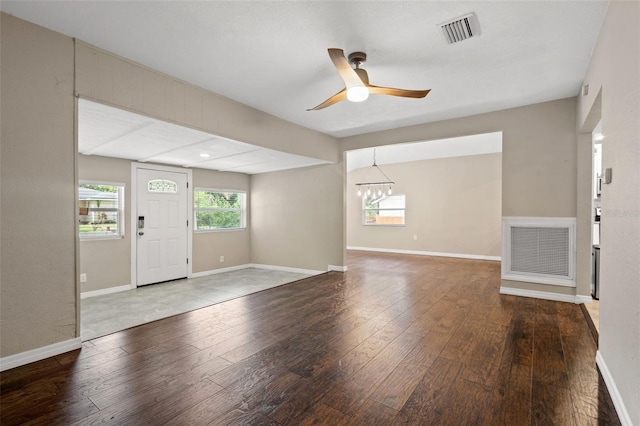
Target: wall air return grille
<point>460,29</point>
<point>540,250</point>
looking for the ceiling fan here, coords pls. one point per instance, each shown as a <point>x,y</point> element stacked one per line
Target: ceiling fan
<point>356,80</point>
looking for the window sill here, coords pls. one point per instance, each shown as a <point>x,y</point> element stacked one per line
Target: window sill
<point>102,238</point>
<point>205,231</point>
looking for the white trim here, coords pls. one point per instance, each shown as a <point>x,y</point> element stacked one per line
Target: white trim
<point>509,222</point>
<point>33,355</point>
<point>286,269</point>
<point>218,271</point>
<point>426,253</point>
<point>135,166</point>
<point>338,268</point>
<point>536,294</point>
<point>101,292</point>
<point>257,266</point>
<point>618,403</point>
<point>583,299</point>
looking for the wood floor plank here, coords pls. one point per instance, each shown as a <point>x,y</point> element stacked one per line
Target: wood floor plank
<point>396,388</point>
<point>372,413</point>
<point>322,414</point>
<point>347,396</point>
<point>511,401</point>
<point>399,339</point>
<point>430,399</point>
<point>551,405</point>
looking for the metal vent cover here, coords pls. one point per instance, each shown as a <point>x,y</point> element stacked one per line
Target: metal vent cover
<point>460,29</point>
<point>540,250</point>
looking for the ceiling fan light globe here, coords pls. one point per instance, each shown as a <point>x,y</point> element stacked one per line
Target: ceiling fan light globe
<point>357,93</point>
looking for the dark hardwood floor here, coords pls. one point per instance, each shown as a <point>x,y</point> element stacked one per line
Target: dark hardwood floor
<point>398,339</point>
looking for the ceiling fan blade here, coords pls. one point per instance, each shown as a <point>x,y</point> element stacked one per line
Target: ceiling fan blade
<point>347,73</point>
<point>377,90</point>
<point>340,96</point>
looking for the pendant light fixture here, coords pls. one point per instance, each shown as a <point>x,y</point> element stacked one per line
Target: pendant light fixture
<point>366,189</point>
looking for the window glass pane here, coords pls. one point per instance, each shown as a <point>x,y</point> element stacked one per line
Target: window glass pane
<point>384,210</point>
<point>100,213</point>
<point>218,210</point>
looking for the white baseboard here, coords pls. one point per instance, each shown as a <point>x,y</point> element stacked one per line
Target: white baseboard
<point>623,414</point>
<point>33,355</point>
<point>219,271</point>
<point>583,299</point>
<point>104,291</point>
<point>258,266</point>
<point>426,253</point>
<point>338,268</point>
<point>570,298</point>
<point>286,269</point>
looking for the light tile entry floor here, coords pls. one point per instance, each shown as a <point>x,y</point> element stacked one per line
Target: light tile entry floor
<point>594,312</point>
<point>102,315</point>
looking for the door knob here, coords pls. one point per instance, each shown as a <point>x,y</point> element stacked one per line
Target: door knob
<point>140,233</point>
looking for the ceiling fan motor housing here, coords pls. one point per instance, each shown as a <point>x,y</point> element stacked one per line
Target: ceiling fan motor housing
<point>357,58</point>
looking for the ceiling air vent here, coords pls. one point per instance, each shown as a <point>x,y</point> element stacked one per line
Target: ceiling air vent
<point>460,29</point>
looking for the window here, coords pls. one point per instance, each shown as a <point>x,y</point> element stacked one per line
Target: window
<point>215,209</point>
<point>101,210</point>
<point>384,210</point>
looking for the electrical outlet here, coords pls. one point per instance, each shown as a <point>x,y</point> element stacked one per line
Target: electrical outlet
<point>221,259</point>
<point>415,237</point>
<point>83,278</point>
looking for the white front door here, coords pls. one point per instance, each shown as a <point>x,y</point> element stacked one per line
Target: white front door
<point>161,227</point>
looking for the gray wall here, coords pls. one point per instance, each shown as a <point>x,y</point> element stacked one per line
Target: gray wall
<point>613,77</point>
<point>38,237</point>
<point>452,205</point>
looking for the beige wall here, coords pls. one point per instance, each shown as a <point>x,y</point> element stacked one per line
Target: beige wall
<point>297,217</point>
<point>233,245</point>
<point>614,74</point>
<point>38,237</point>
<point>107,263</point>
<point>538,158</point>
<point>38,261</point>
<point>584,214</point>
<point>452,204</point>
<point>538,153</point>
<point>108,78</point>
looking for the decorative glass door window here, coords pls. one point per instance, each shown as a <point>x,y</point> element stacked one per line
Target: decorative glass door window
<point>163,185</point>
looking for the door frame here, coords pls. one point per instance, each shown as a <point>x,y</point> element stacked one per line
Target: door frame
<point>135,166</point>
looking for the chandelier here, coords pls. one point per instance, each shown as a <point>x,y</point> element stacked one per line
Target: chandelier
<point>373,189</point>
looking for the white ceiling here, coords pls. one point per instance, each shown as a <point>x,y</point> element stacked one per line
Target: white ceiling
<point>112,132</point>
<point>487,143</point>
<point>272,55</point>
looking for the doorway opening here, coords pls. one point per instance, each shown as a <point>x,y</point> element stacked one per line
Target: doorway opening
<point>448,193</point>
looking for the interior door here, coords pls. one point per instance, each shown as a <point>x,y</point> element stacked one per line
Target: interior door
<point>161,226</point>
